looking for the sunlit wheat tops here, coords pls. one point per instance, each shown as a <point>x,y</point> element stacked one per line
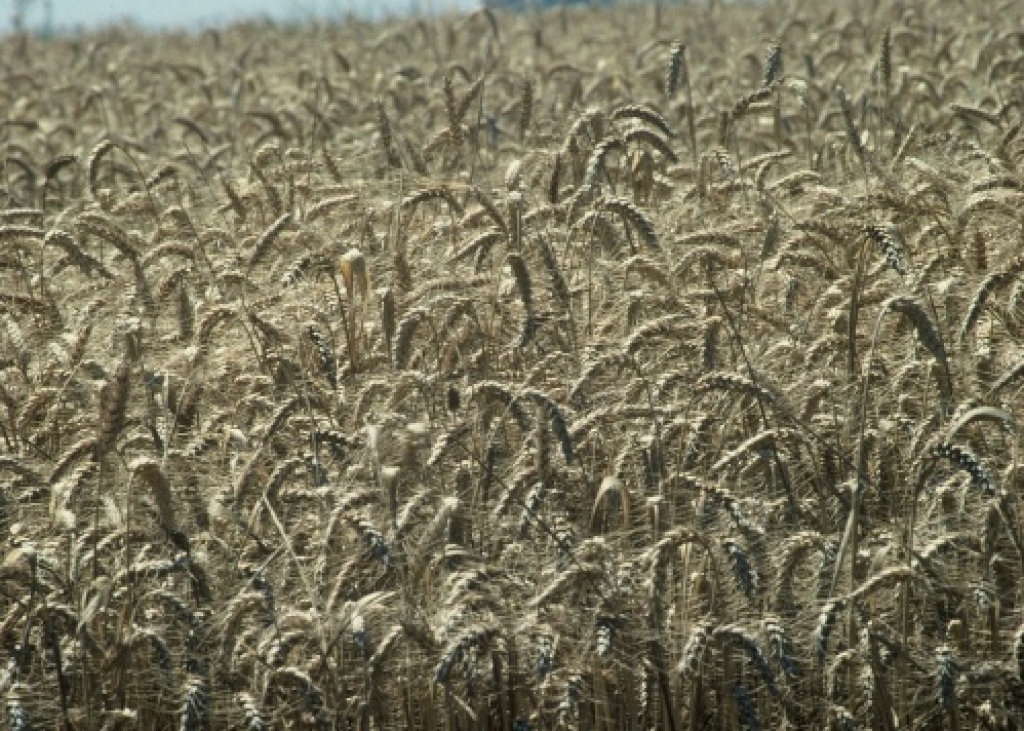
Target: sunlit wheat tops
<point>536,370</point>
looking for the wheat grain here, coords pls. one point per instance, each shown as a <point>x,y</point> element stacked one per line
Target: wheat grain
<point>554,463</point>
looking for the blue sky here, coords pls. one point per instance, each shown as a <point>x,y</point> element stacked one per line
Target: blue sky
<point>159,13</point>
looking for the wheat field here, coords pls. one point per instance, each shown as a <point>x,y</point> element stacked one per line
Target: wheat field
<point>629,368</point>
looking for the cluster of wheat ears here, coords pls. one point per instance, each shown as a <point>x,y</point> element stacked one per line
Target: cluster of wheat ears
<point>571,370</point>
